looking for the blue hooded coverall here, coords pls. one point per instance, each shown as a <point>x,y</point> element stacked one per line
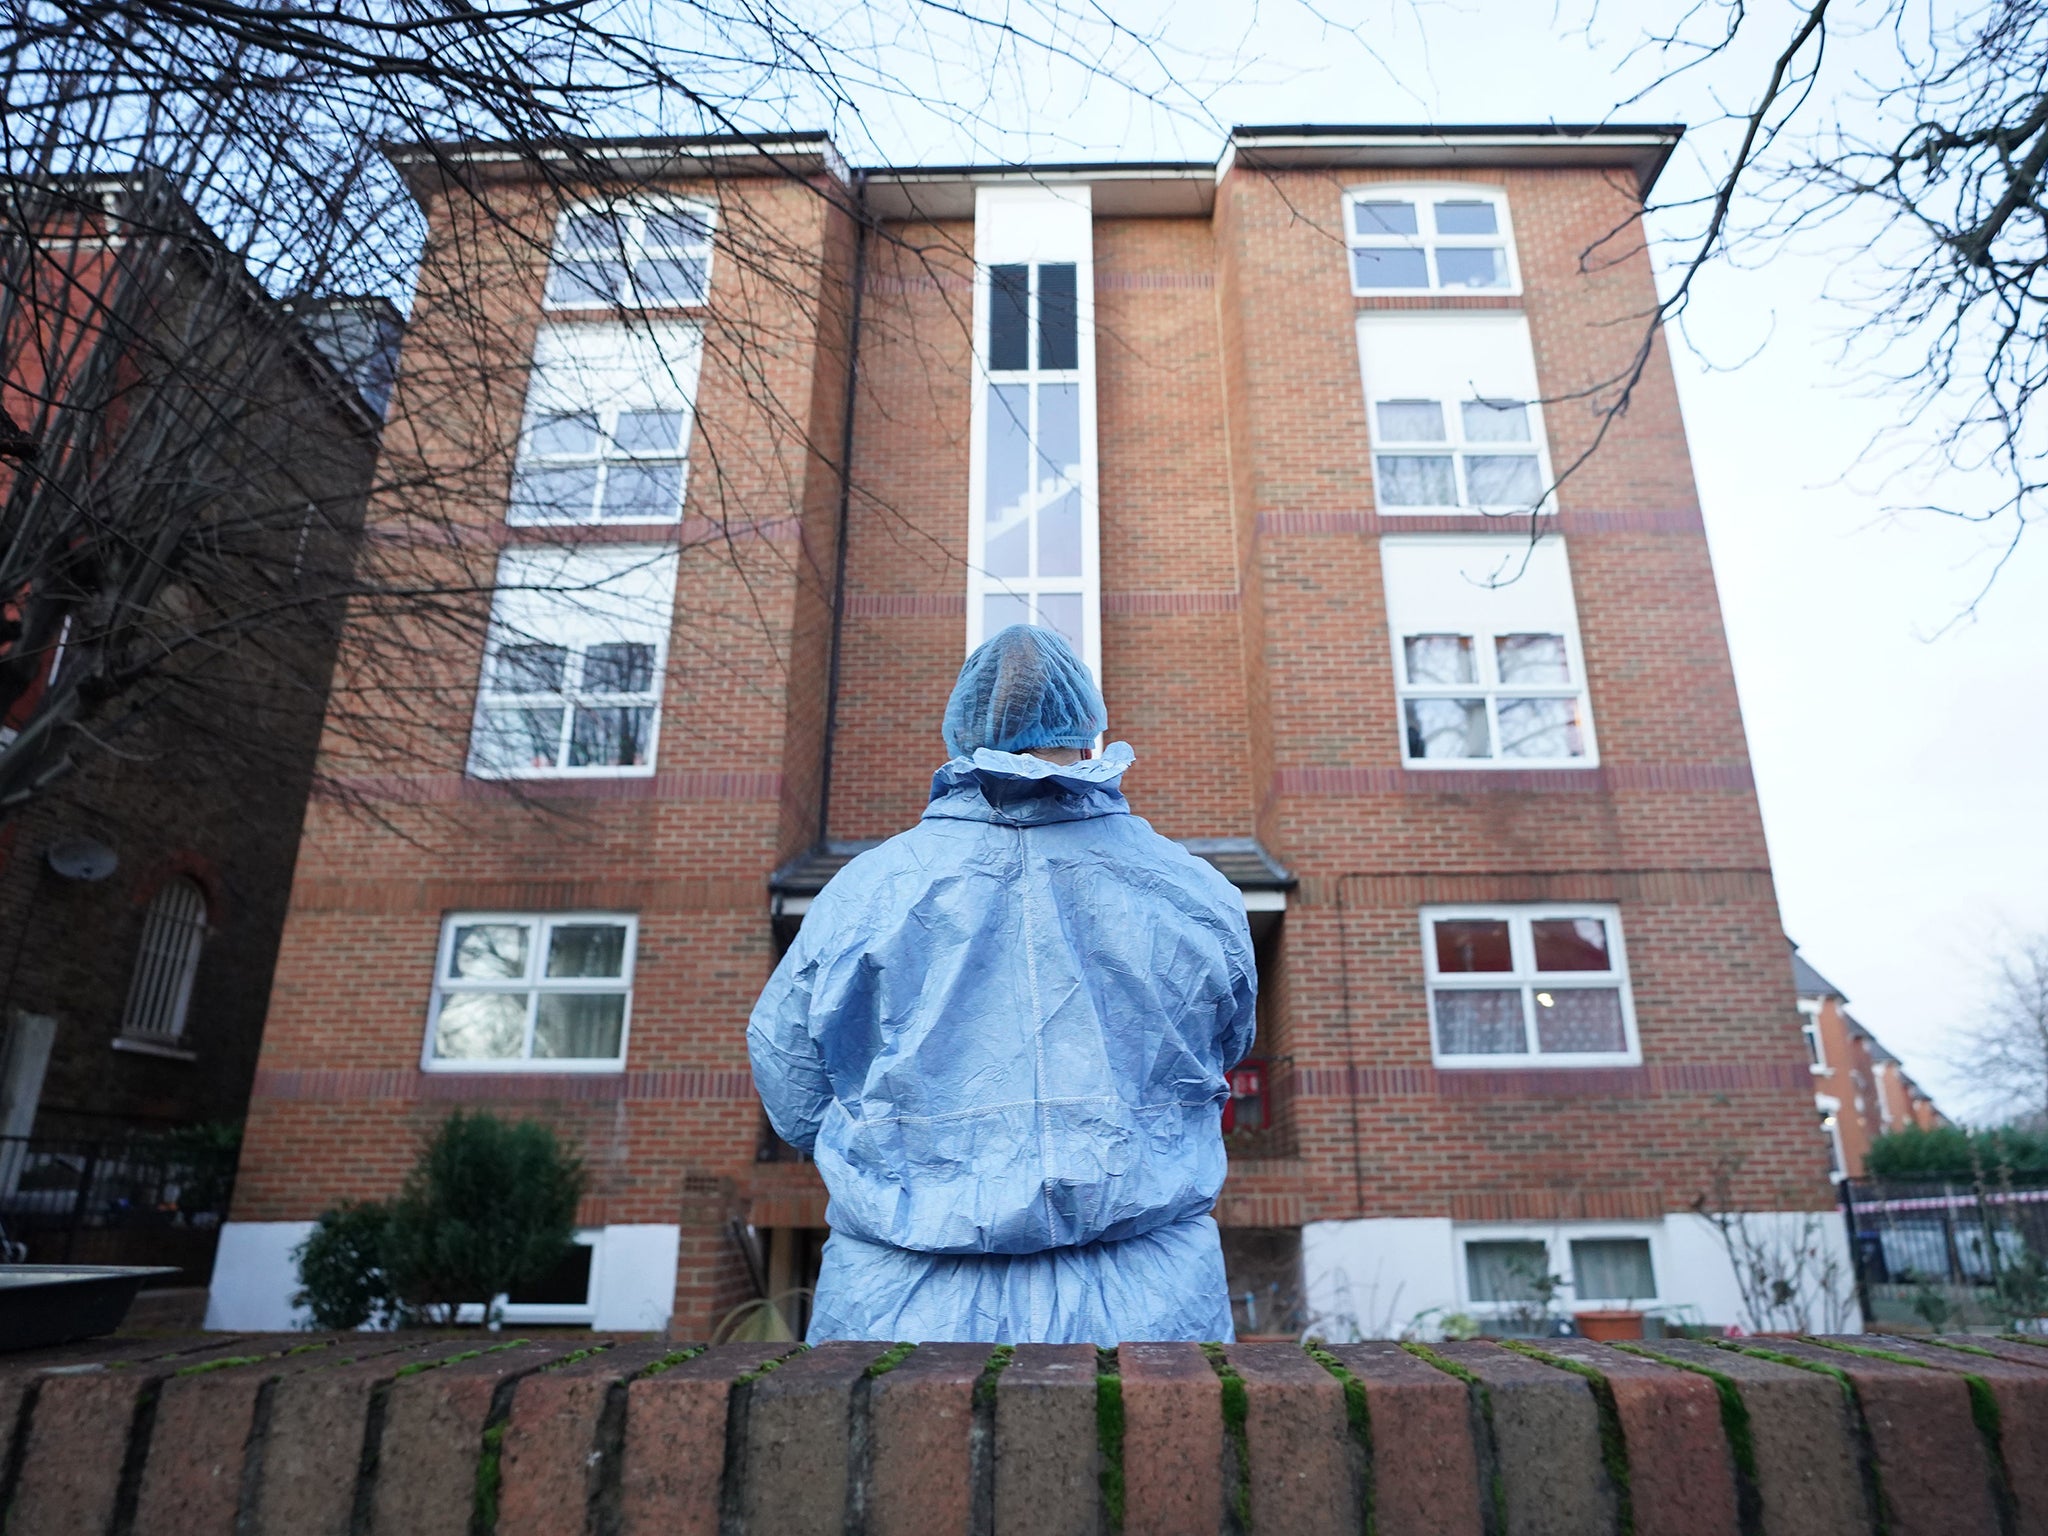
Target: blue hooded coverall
<point>1003,1035</point>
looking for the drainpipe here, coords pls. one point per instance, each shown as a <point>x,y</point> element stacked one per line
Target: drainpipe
<point>860,269</point>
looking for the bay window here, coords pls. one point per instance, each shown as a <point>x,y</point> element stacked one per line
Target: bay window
<point>1528,986</point>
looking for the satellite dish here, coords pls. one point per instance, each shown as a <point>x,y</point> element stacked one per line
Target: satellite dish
<point>81,858</point>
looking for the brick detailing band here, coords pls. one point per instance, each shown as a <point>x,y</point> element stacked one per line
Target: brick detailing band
<point>1568,523</point>
<point>742,899</point>
<point>1145,280</point>
<point>682,1085</point>
<point>1587,1083</point>
<point>1170,602</point>
<point>447,788</point>
<point>1493,781</point>
<point>905,605</point>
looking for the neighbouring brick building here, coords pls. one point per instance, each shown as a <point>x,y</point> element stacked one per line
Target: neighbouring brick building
<point>1860,1090</point>
<point>1262,436</point>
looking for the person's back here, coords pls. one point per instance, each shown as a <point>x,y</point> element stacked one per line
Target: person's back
<point>1004,1034</point>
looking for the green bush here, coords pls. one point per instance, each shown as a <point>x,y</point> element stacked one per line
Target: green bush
<point>1949,1151</point>
<point>341,1269</point>
<point>489,1207</point>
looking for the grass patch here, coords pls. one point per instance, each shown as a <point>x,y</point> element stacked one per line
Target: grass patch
<point>1236,1409</point>
<point>999,1360</point>
<point>1613,1448</point>
<point>1109,1435</point>
<point>226,1362</point>
<point>483,1509</point>
<point>674,1358</point>
<point>896,1355</point>
<point>770,1365</point>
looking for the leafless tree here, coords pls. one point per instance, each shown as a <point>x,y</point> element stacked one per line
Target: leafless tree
<point>181,542</point>
<point>1915,136</point>
<point>2003,1057</point>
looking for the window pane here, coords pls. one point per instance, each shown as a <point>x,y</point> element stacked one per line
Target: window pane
<point>1447,728</point>
<point>1571,944</point>
<point>560,492</point>
<point>649,432</point>
<point>1503,480</point>
<point>585,232</point>
<point>1383,218</point>
<point>1506,1271</point>
<point>519,738</point>
<point>999,610</point>
<point>566,1285</point>
<point>1540,728</point>
<point>1440,659</point>
<point>1059,344</point>
<point>481,1026</point>
<point>619,666</point>
<point>610,738</point>
<point>1613,1269</point>
<point>1059,434</point>
<point>1061,611</point>
<point>1388,266</point>
<point>642,492</point>
<point>1479,1023</point>
<point>1411,421</point>
<point>1532,659</point>
<point>579,1025</point>
<point>1411,480</point>
<point>1476,268</point>
<point>1570,1019</point>
<point>1009,478</point>
<point>676,229</point>
<point>587,949</point>
<point>672,280</point>
<point>488,952</point>
<point>587,282</point>
<point>1495,421</point>
<point>1059,536</point>
<point>529,668</point>
<point>1463,218</point>
<point>1009,317</point>
<point>568,434</point>
<point>1472,944</point>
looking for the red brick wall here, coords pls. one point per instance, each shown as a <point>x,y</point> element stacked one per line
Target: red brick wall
<point>1246,659</point>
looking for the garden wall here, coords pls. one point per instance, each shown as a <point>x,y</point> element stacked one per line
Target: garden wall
<point>376,1435</point>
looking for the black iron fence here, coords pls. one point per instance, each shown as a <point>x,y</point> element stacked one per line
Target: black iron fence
<point>137,1200</point>
<point>1936,1254</point>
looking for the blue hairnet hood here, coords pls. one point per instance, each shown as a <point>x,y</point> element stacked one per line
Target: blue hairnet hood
<point>1003,1035</point>
<point>1022,688</point>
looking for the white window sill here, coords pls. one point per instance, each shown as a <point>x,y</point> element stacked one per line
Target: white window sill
<point>1477,514</point>
<point>557,775</point>
<point>633,306</point>
<point>1535,1063</point>
<point>594,522</point>
<point>553,1067</point>
<point>1497,764</point>
<point>143,1046</point>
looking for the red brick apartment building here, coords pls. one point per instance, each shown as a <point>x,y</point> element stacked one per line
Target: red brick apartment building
<point>1860,1090</point>
<point>1524,988</point>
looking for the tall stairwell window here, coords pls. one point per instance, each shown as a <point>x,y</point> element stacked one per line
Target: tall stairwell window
<point>1032,539</point>
<point>160,991</point>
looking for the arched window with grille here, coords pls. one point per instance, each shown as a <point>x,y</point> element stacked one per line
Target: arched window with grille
<point>166,963</point>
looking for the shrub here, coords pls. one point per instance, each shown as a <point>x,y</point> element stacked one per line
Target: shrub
<point>489,1207</point>
<point>341,1269</point>
<point>1949,1151</point>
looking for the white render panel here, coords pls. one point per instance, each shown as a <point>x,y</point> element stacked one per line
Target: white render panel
<point>254,1277</point>
<point>635,1283</point>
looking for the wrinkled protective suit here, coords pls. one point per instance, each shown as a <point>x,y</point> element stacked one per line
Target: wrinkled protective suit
<point>1003,1033</point>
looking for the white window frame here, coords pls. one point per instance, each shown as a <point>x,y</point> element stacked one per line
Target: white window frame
<point>1830,1109</point>
<point>1816,1047</point>
<point>656,367</point>
<point>166,965</point>
<point>659,564</point>
<point>631,216</point>
<point>1518,606</point>
<point>1424,196</point>
<point>1530,981</point>
<point>533,984</point>
<point>540,1314</point>
<point>1557,1242</point>
<point>1453,359</point>
<point>1035,226</point>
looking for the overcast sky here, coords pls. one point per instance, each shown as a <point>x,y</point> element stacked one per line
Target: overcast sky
<point>1898,753</point>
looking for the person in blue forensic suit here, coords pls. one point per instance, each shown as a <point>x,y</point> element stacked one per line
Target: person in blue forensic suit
<point>1003,1035</point>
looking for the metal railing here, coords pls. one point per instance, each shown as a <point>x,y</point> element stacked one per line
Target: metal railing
<point>151,1199</point>
<point>1950,1253</point>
